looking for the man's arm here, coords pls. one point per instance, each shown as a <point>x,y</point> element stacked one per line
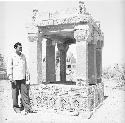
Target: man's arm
<point>10,69</point>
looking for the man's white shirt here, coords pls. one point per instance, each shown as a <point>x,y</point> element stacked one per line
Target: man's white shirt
<point>17,66</point>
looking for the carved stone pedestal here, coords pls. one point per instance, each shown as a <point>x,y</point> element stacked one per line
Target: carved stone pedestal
<point>69,99</point>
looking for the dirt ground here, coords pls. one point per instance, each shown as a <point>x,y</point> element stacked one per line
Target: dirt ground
<point>111,111</point>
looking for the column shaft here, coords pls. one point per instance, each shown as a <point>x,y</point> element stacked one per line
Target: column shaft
<point>50,61</point>
<point>99,64</point>
<point>39,59</point>
<point>92,63</point>
<point>81,60</point>
<point>62,66</point>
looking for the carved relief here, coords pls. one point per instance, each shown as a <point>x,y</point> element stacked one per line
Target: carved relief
<point>32,38</point>
<point>69,99</point>
<point>81,33</point>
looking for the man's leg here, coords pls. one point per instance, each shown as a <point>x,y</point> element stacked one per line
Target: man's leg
<point>15,93</point>
<point>21,106</point>
<point>21,103</point>
<point>25,96</point>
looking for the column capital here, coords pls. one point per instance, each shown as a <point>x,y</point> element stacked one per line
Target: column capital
<point>33,37</point>
<point>81,33</point>
<point>63,47</point>
<point>99,44</point>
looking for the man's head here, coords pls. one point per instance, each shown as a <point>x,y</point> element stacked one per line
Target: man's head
<point>18,47</point>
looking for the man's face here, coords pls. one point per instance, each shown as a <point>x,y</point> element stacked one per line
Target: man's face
<point>19,49</point>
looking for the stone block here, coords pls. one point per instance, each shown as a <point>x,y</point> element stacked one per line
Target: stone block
<point>101,91</point>
<point>65,98</point>
<point>32,60</point>
<point>32,38</point>
<point>59,98</point>
<point>81,61</point>
<point>96,97</point>
<point>91,99</point>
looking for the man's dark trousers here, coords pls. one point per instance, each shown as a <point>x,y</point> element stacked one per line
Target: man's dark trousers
<point>20,85</point>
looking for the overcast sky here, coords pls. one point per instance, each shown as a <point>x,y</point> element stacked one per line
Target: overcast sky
<point>14,15</point>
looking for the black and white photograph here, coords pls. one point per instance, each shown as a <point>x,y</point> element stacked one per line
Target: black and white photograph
<point>62,61</point>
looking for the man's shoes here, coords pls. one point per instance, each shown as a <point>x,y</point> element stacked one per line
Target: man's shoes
<point>24,112</point>
<point>17,110</point>
<point>31,111</point>
<point>22,108</point>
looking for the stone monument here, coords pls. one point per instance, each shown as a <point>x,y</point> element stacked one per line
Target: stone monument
<point>86,92</point>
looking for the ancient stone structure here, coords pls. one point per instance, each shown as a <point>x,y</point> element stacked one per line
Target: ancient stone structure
<point>86,92</point>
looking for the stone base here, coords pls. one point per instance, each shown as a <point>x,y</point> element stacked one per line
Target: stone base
<point>67,99</point>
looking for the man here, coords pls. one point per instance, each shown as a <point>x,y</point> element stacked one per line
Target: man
<point>17,72</point>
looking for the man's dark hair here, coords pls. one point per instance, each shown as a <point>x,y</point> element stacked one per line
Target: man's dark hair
<point>17,44</point>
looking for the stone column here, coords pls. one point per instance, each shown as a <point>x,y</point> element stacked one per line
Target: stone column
<point>50,61</point>
<point>39,58</point>
<point>81,35</point>
<point>92,63</point>
<point>32,57</point>
<point>57,64</point>
<point>62,49</point>
<point>44,60</point>
<point>99,62</point>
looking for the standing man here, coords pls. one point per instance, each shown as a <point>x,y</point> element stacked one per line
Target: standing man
<point>17,72</point>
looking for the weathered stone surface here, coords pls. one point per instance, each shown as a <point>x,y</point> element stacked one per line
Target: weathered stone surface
<point>81,33</point>
<point>39,59</point>
<point>91,63</point>
<point>88,91</point>
<point>62,49</point>
<point>33,62</point>
<point>99,64</point>
<point>81,60</point>
<point>66,97</point>
<point>50,62</point>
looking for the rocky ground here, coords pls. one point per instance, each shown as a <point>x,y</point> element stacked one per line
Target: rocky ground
<point>111,111</point>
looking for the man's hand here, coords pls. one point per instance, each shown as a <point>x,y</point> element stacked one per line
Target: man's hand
<point>11,78</point>
<point>27,78</point>
<point>27,82</point>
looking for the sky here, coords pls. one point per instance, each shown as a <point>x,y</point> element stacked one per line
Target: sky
<point>15,14</point>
